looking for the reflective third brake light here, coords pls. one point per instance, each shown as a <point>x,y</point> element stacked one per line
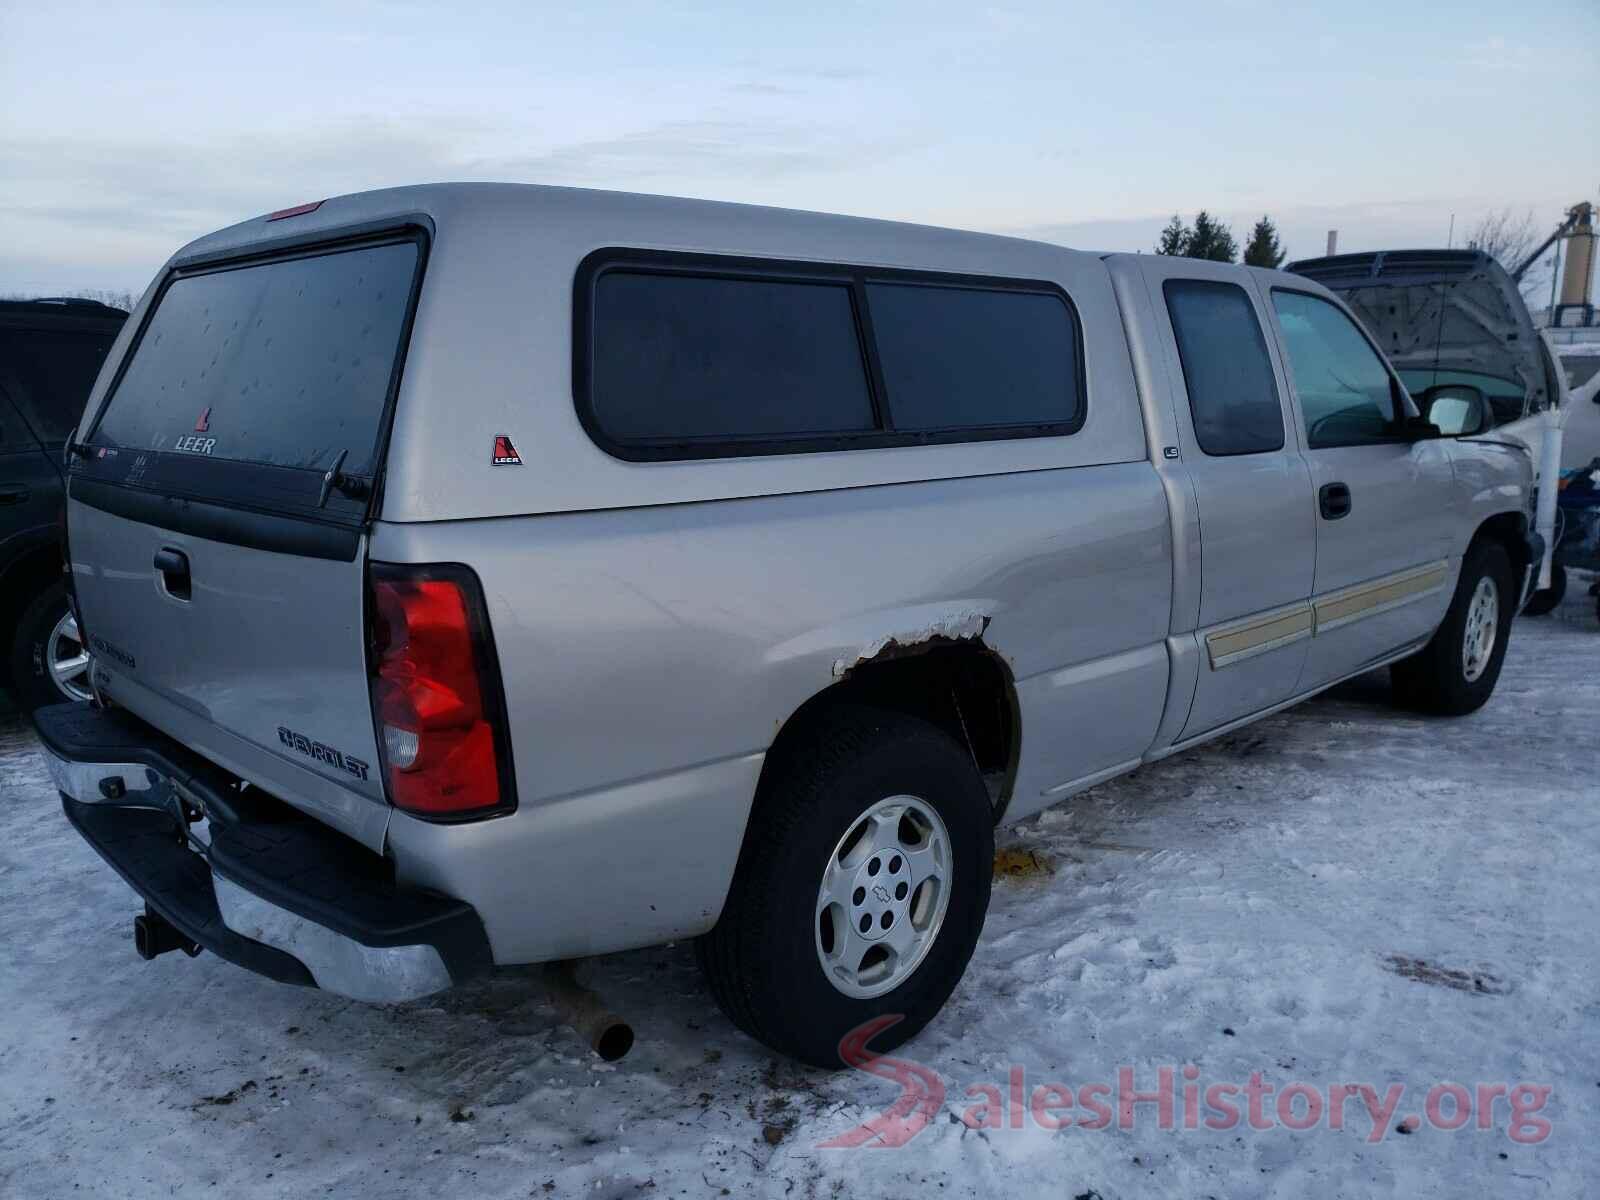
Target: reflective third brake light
<point>436,693</point>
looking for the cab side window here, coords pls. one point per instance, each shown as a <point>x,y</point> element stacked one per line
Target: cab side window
<point>14,435</point>
<point>1346,393</point>
<point>1226,371</point>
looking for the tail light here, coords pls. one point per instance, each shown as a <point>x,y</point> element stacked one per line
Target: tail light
<point>65,547</point>
<point>436,695</point>
<point>67,580</point>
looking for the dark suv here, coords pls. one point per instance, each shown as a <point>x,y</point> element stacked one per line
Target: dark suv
<point>50,353</point>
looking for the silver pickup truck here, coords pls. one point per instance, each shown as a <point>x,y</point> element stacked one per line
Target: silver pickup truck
<point>483,574</point>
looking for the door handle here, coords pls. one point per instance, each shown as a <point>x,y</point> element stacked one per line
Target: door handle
<point>1334,500</point>
<point>173,567</point>
<point>11,493</point>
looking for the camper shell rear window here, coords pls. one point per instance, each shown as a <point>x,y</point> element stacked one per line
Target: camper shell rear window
<point>251,380</point>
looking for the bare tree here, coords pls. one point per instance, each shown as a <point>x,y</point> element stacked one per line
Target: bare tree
<point>1509,239</point>
<point>112,296</point>
<point>1505,236</point>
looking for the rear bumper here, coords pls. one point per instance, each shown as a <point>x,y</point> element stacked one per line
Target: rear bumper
<point>253,881</point>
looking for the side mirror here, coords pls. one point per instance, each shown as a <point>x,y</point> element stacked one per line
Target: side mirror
<point>1458,409</point>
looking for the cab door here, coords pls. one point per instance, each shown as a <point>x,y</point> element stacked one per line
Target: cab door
<point>1384,498</point>
<point>30,487</point>
<point>1251,485</point>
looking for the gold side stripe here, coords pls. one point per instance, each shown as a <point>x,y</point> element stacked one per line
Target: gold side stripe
<point>1260,634</point>
<point>1266,633</point>
<point>1381,595</point>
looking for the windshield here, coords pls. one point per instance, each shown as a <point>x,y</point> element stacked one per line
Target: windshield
<point>1470,326</point>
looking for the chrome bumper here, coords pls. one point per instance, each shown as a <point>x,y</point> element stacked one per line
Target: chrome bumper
<point>342,965</point>
<point>336,962</point>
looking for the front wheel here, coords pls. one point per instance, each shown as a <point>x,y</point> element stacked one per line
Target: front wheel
<point>861,888</point>
<point>1455,673</point>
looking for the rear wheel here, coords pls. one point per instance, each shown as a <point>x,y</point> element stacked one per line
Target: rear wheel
<point>1456,671</point>
<point>861,888</point>
<point>1548,599</point>
<point>49,661</point>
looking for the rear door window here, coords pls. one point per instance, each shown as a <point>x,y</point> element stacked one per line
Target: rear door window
<point>1232,393</point>
<point>1347,396</point>
<point>971,358</point>
<point>48,374</point>
<point>250,382</point>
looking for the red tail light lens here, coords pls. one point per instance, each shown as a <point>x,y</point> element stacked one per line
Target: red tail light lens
<point>65,546</point>
<point>67,578</point>
<point>436,695</point>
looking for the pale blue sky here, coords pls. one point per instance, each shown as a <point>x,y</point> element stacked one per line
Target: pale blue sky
<point>126,130</point>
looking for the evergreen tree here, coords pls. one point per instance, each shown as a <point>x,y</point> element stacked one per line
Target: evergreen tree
<point>1174,238</point>
<point>1211,239</point>
<point>1264,250</point>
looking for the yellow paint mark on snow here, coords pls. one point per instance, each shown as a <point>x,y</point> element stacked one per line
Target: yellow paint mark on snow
<point>1018,862</point>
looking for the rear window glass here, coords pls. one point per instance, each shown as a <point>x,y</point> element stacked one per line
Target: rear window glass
<point>49,373</point>
<point>961,358</point>
<point>286,363</point>
<point>1226,371</point>
<point>683,358</point>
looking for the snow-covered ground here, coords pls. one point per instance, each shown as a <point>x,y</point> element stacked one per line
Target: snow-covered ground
<point>1341,894</point>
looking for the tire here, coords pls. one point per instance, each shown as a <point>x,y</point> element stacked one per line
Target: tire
<point>764,959</point>
<point>1548,599</point>
<point>1443,677</point>
<point>33,684</point>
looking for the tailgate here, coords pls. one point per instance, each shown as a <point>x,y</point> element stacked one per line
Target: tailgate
<point>217,512</point>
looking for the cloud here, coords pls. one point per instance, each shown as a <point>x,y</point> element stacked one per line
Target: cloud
<point>709,149</point>
<point>165,186</point>
<point>839,74</point>
<point>92,212</point>
<point>763,89</point>
<point>1497,54</point>
<point>103,212</point>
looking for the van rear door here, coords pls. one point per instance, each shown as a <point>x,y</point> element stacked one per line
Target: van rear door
<point>217,513</point>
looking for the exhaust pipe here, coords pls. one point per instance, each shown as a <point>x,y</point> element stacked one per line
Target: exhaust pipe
<point>153,934</point>
<point>585,1013</point>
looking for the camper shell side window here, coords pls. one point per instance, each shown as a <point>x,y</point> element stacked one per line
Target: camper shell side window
<point>681,356</point>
